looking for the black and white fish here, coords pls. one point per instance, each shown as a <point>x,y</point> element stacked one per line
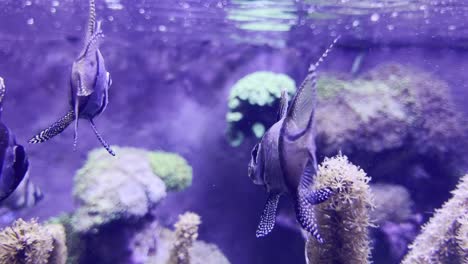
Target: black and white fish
<point>89,82</point>
<point>14,167</point>
<point>284,160</point>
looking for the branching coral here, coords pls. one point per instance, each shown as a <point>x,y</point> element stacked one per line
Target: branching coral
<point>444,238</point>
<point>257,91</point>
<point>25,243</point>
<point>186,233</point>
<point>173,169</point>
<point>112,188</point>
<point>343,220</point>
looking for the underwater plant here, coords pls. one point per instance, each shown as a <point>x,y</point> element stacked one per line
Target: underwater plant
<point>344,219</point>
<point>112,188</point>
<point>173,169</point>
<point>444,238</point>
<point>59,253</point>
<point>186,233</point>
<point>250,94</point>
<point>25,242</point>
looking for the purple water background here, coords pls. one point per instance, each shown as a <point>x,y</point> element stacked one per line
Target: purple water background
<point>169,93</point>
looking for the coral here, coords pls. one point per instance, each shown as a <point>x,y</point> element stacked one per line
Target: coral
<point>25,242</point>
<point>251,95</point>
<point>389,107</point>
<point>173,169</point>
<point>344,219</point>
<point>392,203</point>
<point>200,253</point>
<point>113,188</point>
<point>186,233</point>
<point>444,238</point>
<point>59,252</point>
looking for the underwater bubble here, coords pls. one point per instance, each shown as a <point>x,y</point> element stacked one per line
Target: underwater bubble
<point>141,11</point>
<point>356,23</point>
<point>390,27</point>
<point>55,3</point>
<point>452,27</point>
<point>110,18</point>
<point>30,21</point>
<point>394,14</point>
<point>162,28</point>
<point>53,10</point>
<point>28,3</point>
<point>375,17</point>
<point>114,4</point>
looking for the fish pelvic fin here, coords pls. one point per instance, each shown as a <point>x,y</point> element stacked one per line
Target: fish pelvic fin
<point>55,129</point>
<point>306,216</point>
<point>268,217</point>
<point>319,196</point>
<point>2,92</point>
<point>101,140</point>
<point>325,53</point>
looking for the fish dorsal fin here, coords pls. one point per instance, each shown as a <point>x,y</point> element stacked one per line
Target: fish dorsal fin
<point>91,20</point>
<point>283,105</point>
<point>92,45</point>
<point>301,112</point>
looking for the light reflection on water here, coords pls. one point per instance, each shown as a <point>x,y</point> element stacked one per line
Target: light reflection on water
<point>259,22</point>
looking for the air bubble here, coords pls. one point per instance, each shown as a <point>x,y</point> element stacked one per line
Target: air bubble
<point>375,17</point>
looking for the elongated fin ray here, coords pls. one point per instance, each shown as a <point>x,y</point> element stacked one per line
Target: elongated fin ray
<point>306,217</point>
<point>303,105</point>
<point>268,218</point>
<point>325,54</point>
<point>103,142</point>
<point>91,20</point>
<point>283,105</point>
<point>55,129</point>
<point>319,196</point>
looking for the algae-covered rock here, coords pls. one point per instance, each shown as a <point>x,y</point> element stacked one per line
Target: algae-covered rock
<point>59,253</point>
<point>173,169</point>
<point>111,188</point>
<point>257,92</point>
<point>392,203</point>
<point>389,107</point>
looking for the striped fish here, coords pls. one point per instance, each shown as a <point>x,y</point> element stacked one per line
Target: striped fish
<point>89,84</point>
<point>284,160</point>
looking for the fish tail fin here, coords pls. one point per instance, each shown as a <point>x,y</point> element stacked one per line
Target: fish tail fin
<point>55,129</point>
<point>268,218</point>
<point>306,217</point>
<point>324,54</point>
<point>103,142</point>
